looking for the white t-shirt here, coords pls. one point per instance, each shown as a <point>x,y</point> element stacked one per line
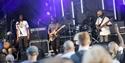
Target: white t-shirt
<point>104,30</point>
<point>22,28</point>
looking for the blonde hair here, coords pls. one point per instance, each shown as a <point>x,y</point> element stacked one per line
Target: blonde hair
<point>97,54</point>
<point>113,49</point>
<point>84,38</point>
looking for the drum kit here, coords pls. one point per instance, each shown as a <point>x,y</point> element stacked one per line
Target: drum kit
<point>73,32</point>
<point>86,28</point>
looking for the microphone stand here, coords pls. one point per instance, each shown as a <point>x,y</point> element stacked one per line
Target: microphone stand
<point>70,31</point>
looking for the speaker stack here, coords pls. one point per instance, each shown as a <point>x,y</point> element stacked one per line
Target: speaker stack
<point>39,38</point>
<point>121,26</point>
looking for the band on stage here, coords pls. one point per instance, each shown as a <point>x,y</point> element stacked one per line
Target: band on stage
<point>102,25</point>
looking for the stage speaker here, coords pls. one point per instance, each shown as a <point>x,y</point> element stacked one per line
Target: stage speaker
<point>121,26</point>
<point>114,37</point>
<point>39,33</point>
<point>42,46</point>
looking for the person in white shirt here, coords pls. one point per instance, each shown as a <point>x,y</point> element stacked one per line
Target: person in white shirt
<point>22,34</point>
<point>102,25</point>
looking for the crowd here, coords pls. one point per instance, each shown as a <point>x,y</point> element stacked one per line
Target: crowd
<point>86,53</point>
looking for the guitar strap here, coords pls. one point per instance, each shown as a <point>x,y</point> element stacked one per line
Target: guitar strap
<point>101,21</point>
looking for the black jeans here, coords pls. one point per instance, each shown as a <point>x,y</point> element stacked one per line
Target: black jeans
<point>22,46</point>
<point>23,43</point>
<point>54,45</point>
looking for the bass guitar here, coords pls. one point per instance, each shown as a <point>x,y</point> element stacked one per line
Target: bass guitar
<point>53,35</point>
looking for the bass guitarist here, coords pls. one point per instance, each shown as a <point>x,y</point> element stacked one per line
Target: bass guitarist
<point>102,24</point>
<point>53,39</point>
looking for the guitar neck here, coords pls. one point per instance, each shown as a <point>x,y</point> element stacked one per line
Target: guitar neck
<point>106,22</point>
<point>60,28</point>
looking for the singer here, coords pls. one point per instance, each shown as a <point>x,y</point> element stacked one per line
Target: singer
<point>22,34</point>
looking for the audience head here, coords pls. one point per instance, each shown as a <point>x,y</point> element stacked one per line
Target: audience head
<point>97,54</point>
<point>6,45</point>
<point>32,53</point>
<point>113,49</point>
<point>84,39</point>
<point>68,46</point>
<point>32,50</point>
<point>9,58</point>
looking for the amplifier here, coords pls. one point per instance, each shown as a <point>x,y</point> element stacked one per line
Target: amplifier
<point>43,45</point>
<point>121,26</point>
<point>39,33</point>
<point>114,37</point>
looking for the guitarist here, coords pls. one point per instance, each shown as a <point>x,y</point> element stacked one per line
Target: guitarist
<point>102,25</point>
<point>54,43</point>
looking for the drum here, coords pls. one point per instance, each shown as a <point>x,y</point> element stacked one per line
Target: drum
<point>86,28</point>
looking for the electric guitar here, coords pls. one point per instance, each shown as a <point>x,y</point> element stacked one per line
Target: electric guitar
<point>53,35</point>
<point>103,25</point>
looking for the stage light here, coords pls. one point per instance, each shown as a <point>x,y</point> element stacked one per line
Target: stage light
<point>54,8</point>
<point>124,2</point>
<point>81,6</point>
<point>62,8</point>
<point>46,4</point>
<point>72,5</point>
<point>103,5</point>
<point>48,13</point>
<point>73,15</point>
<point>114,8</point>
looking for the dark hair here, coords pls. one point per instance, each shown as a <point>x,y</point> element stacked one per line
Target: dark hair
<point>102,12</point>
<point>21,15</point>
